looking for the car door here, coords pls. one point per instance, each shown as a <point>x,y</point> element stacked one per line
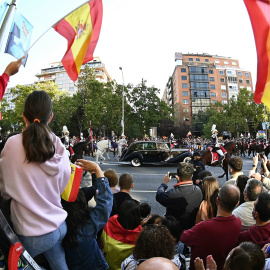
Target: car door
<point>163,151</point>
<point>150,152</point>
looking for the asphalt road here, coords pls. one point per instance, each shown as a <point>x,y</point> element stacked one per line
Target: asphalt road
<point>147,178</point>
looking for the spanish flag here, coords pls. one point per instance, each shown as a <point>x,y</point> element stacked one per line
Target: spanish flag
<point>259,13</point>
<point>81,28</point>
<point>117,243</point>
<point>71,191</point>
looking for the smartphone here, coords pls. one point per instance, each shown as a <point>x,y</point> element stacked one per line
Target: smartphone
<point>173,175</point>
<point>261,155</point>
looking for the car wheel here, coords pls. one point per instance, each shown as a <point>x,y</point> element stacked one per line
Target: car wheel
<point>187,159</point>
<point>136,162</point>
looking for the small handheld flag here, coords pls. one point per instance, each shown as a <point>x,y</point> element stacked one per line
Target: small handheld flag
<point>71,191</point>
<point>81,28</point>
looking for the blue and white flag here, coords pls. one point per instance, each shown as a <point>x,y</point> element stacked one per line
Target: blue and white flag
<point>19,37</point>
<point>3,9</point>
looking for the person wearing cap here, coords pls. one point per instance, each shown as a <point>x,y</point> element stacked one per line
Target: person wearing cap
<point>198,167</point>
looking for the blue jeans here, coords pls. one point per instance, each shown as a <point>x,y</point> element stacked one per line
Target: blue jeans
<point>50,244</point>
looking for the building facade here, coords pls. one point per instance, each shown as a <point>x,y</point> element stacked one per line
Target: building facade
<point>57,74</point>
<point>201,79</point>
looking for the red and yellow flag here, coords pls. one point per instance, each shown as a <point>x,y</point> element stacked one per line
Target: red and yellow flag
<point>259,13</point>
<point>71,191</point>
<point>81,28</point>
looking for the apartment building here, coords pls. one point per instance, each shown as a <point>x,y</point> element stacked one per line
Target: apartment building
<point>201,79</point>
<point>57,74</point>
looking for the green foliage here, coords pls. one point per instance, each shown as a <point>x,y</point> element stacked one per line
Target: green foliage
<point>147,109</point>
<point>242,115</point>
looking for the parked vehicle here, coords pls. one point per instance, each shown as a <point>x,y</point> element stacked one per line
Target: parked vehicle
<point>153,152</point>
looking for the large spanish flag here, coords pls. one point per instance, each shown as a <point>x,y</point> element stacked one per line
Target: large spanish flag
<point>259,13</point>
<point>117,243</point>
<point>81,28</point>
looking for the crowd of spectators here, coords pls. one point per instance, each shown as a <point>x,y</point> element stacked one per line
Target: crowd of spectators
<point>224,227</point>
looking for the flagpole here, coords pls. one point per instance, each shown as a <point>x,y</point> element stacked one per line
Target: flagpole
<point>55,25</point>
<point>5,23</point>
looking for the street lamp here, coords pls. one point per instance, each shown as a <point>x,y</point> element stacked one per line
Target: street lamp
<point>123,104</point>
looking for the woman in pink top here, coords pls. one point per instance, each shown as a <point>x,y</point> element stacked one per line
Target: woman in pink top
<point>208,207</point>
<point>34,171</point>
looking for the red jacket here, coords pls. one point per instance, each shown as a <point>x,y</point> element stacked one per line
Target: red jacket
<point>259,235</point>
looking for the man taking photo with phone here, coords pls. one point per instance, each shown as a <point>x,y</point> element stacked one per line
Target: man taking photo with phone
<point>184,199</point>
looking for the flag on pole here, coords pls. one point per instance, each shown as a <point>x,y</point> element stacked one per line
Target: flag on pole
<point>81,28</point>
<point>19,37</point>
<point>3,9</point>
<point>259,13</point>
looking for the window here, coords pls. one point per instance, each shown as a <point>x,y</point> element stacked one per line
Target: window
<point>211,71</point>
<point>198,59</point>
<point>246,74</point>
<point>234,63</point>
<point>213,94</point>
<point>214,101</point>
<point>198,78</point>
<point>150,146</point>
<point>212,79</point>
<point>249,88</point>
<point>185,93</point>
<point>183,70</point>
<point>190,59</point>
<point>197,70</point>
<point>60,82</point>
<point>217,61</point>
<point>212,86</point>
<point>240,73</point>
<point>229,72</point>
<point>61,75</point>
<point>222,80</point>
<point>224,102</point>
<point>206,60</point>
<point>60,89</point>
<point>186,118</point>
<point>71,88</point>
<point>226,62</point>
<point>221,72</point>
<point>224,95</point>
<point>185,101</point>
<point>184,78</point>
<point>185,110</point>
<point>184,85</point>
<point>248,81</point>
<point>223,87</point>
<point>241,81</point>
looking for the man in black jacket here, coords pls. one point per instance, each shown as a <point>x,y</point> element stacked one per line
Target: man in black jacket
<point>184,199</point>
<point>198,167</point>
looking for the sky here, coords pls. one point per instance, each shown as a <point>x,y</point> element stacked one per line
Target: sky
<point>142,36</point>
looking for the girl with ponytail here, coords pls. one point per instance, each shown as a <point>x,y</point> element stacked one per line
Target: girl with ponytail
<point>34,171</point>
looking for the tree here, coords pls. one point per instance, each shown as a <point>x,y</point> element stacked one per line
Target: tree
<point>147,109</point>
<point>20,94</point>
